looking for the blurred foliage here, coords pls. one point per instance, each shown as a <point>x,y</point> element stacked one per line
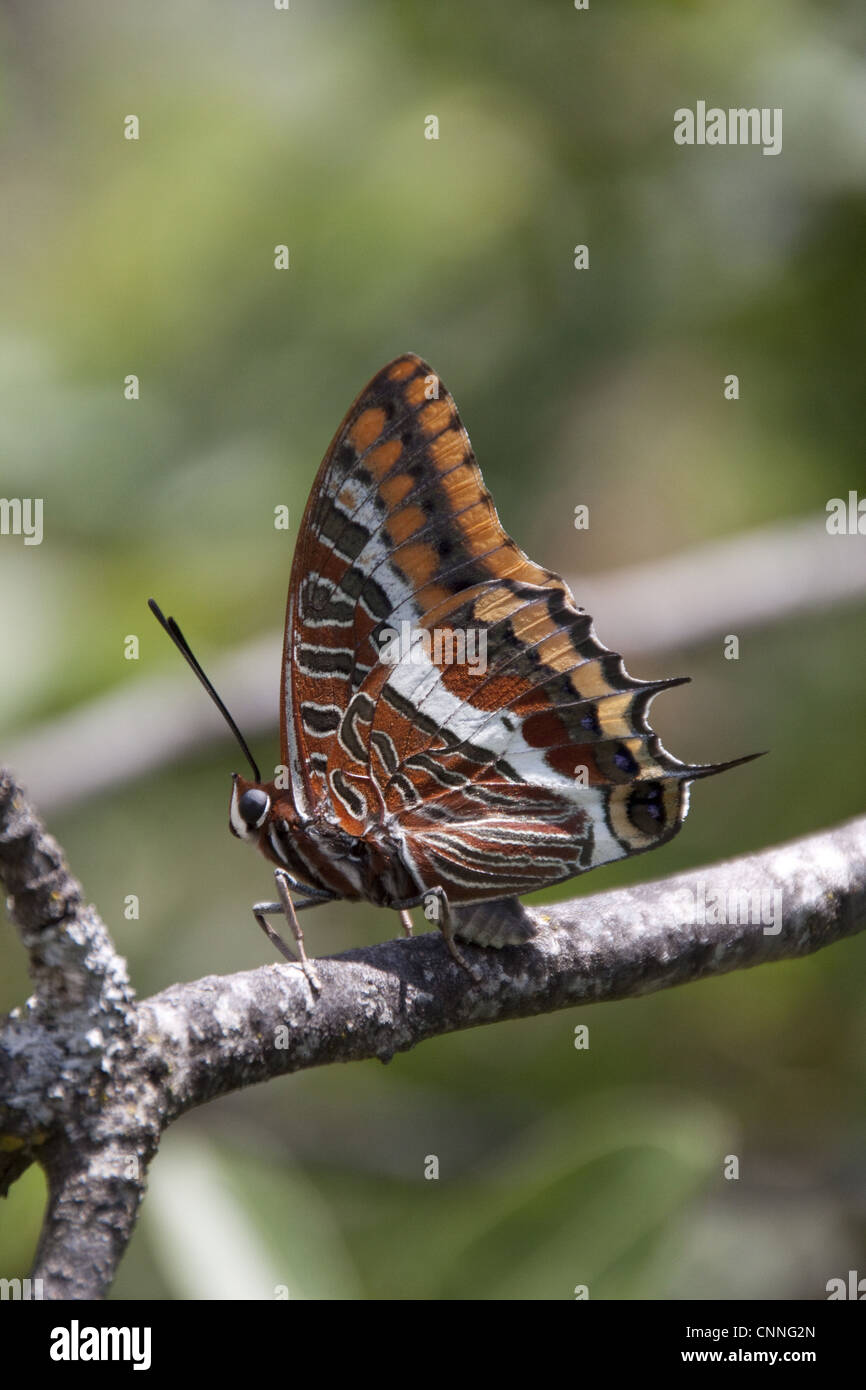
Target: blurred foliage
<point>557,1167</point>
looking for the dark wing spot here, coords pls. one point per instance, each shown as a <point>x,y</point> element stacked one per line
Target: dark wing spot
<point>589,721</point>
<point>625,761</point>
<point>646,809</point>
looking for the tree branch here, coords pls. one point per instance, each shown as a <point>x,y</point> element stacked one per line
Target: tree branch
<point>66,1058</point>
<point>89,1079</point>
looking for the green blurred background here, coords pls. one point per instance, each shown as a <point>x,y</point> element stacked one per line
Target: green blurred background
<point>558,1167</point>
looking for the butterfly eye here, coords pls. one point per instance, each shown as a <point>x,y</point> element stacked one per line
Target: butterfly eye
<point>253,807</point>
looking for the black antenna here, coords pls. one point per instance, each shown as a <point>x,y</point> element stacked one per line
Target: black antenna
<point>177,637</point>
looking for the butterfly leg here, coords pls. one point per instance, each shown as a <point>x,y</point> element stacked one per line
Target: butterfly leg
<point>446,923</point>
<point>436,909</point>
<point>289,910</point>
<point>407,922</point>
<point>295,926</point>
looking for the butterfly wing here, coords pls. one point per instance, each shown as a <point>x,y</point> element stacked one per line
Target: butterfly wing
<point>396,524</point>
<point>511,762</point>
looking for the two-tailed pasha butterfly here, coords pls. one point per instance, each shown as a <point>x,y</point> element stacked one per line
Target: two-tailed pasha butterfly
<point>452,731</point>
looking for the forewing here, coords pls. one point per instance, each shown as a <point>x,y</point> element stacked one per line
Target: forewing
<point>398,523</point>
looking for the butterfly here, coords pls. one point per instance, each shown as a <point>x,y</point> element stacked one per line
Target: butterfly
<point>452,730</point>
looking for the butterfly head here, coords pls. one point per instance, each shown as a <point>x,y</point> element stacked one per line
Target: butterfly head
<point>248,809</point>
